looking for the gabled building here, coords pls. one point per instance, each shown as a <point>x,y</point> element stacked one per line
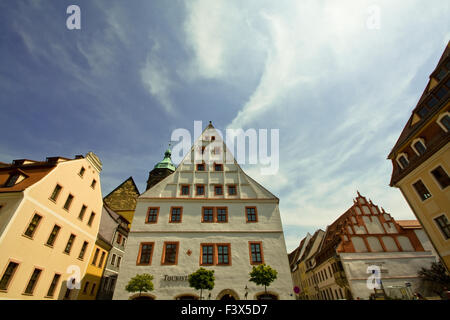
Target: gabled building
<point>122,200</point>
<point>364,237</point>
<point>210,214</point>
<point>114,228</point>
<point>49,219</point>
<point>421,159</point>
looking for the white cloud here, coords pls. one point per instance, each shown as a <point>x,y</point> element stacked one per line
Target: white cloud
<point>156,78</point>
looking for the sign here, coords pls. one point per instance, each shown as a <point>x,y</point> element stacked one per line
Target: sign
<point>296,290</point>
<point>175,278</point>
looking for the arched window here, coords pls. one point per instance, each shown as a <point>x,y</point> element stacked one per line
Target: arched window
<point>402,160</point>
<point>444,121</point>
<point>418,145</point>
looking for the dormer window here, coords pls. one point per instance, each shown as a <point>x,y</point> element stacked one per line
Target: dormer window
<point>200,167</point>
<point>402,160</point>
<point>12,180</point>
<point>441,74</point>
<point>418,146</point>
<point>444,121</point>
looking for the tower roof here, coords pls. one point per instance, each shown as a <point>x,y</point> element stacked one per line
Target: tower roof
<point>166,163</point>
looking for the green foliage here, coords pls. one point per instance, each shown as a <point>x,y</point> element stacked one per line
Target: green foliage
<point>202,279</point>
<point>263,275</point>
<point>436,276</point>
<point>140,283</point>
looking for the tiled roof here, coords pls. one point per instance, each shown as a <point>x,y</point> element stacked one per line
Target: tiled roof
<point>33,171</point>
<point>409,224</point>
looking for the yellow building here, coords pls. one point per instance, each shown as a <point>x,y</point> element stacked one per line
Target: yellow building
<point>122,199</point>
<point>49,220</point>
<point>421,159</point>
<point>90,283</point>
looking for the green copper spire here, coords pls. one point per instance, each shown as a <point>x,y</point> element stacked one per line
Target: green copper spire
<point>166,162</point>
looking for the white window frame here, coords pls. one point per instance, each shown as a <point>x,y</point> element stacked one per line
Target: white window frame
<point>399,156</point>
<point>422,141</point>
<point>441,116</point>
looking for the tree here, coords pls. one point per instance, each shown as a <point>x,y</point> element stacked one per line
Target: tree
<point>437,276</point>
<point>263,275</point>
<point>202,279</point>
<point>140,283</point>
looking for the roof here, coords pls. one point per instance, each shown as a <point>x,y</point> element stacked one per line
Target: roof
<point>409,224</point>
<point>33,172</point>
<point>409,130</point>
<point>166,163</point>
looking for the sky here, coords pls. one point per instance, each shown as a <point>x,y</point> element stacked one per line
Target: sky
<point>338,79</point>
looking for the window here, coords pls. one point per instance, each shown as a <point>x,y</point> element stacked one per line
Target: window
<point>56,193</point>
<point>68,202</point>
<point>33,225</point>
<point>421,190</point>
<point>441,74</point>
<point>443,224</point>
<point>218,190</point>
<point>94,182</point>
<point>112,285</point>
<point>232,190</point>
<point>53,284</point>
<point>218,166</point>
<point>200,190</point>
<point>419,148</point>
<point>223,254</point>
<point>7,275</point>
<point>91,219</point>
<point>170,253</point>
<point>152,215</point>
<point>200,167</point>
<point>93,289</point>
<point>441,93</point>
<point>94,261</point>
<point>83,250</point>
<point>118,261</point>
<point>102,258</point>
<point>185,190</point>
<point>113,259</point>
<point>105,284</point>
<point>82,212</point>
<point>445,121</point>
<point>86,285</point>
<point>12,180</point>
<point>256,255</point>
<point>222,214</point>
<point>69,244</point>
<point>53,235</point>
<point>33,281</point>
<point>82,171</point>
<point>403,161</point>
<point>208,215</point>
<point>145,253</point>
<point>119,238</point>
<point>175,214</point>
<point>207,254</point>
<point>251,214</point>
<point>213,138</point>
<point>441,177</point>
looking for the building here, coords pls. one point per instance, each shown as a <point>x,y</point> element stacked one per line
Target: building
<point>122,200</point>
<point>114,228</point>
<point>421,159</point>
<point>363,239</point>
<point>91,280</point>
<point>161,170</point>
<point>49,219</point>
<point>207,213</point>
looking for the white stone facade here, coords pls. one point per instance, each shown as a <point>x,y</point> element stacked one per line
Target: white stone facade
<point>191,232</point>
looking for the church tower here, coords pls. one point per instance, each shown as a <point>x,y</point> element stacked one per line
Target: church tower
<point>161,170</point>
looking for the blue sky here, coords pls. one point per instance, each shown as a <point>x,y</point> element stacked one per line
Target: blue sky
<point>339,90</point>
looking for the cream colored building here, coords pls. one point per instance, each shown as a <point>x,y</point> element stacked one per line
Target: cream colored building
<point>209,215</point>
<point>421,159</point>
<point>49,218</point>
